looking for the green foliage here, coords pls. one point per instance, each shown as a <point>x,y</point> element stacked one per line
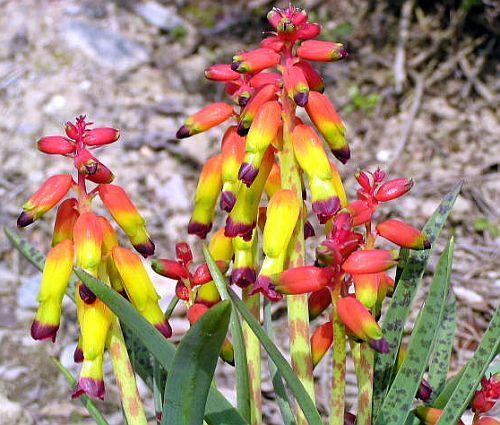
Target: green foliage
<point>360,102</point>
<point>482,224</point>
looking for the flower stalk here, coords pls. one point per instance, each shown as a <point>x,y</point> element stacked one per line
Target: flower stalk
<point>337,395</point>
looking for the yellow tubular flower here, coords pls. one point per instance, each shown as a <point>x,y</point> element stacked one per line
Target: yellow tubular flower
<point>87,235</point>
<point>56,273</point>
<point>233,152</point>
<point>243,273</point>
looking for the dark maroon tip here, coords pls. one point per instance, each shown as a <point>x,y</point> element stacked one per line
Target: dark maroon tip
<point>308,230</point>
<point>243,101</point>
<point>87,296</point>
<point>227,201</point>
<point>343,53</point>
<point>234,229</point>
<point>91,168</point>
<point>78,355</point>
<point>146,249</point>
<point>349,418</point>
<point>342,154</point>
<point>424,391</point>
<point>91,387</point>
<point>247,173</point>
<point>381,345</point>
<point>199,229</point>
<point>165,329</point>
<point>301,98</point>
<point>124,294</point>
<point>264,285</point>
<point>326,208</point>
<point>235,66</point>
<point>158,416</point>
<point>40,332</point>
<point>241,129</point>
<point>427,244</point>
<point>243,276</point>
<point>183,132</point>
<point>24,219</point>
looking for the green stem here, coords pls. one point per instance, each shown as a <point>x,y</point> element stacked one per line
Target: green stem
<point>298,314</point>
<point>337,397</point>
<point>252,347</point>
<point>365,385</point>
<point>125,378</point>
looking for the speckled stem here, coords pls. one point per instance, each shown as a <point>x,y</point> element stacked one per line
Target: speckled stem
<point>337,397</point>
<point>252,347</point>
<point>125,378</point>
<point>298,314</point>
<point>365,385</point>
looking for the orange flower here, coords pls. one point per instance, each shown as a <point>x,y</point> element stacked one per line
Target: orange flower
<point>313,78</point>
<point>221,72</point>
<point>67,213</point>
<point>318,302</point>
<point>403,234</point>
<point>321,341</point>
<point>210,116</point>
<point>255,60</point>
<point>265,94</point>
<point>370,261</point>
<point>324,51</point>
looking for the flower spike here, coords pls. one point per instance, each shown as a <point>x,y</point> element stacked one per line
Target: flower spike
<point>45,198</point>
<point>207,193</point>
<point>208,117</point>
<point>119,205</point>
<point>56,273</point>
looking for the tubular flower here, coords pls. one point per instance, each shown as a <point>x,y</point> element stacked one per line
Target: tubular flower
<point>140,289</point>
<point>92,168</point>
<point>305,279</point>
<point>329,124</point>
<point>313,160</point>
<point>313,78</point>
<point>222,72</point>
<point>360,323</point>
<point>318,302</point>
<point>282,214</point>
<point>56,145</point>
<point>403,234</point>
<point>242,218</point>
<point>323,51</point>
<point>262,132</point>
<point>367,288</point>
<point>220,246</point>
<point>370,261</point>
<point>265,94</point>
<point>233,152</point>
<point>255,60</point>
<point>296,85</point>
<point>202,273</point>
<point>393,189</point>
<point>87,235</point>
<point>264,78</point>
<point>243,273</point>
<point>66,216</point>
<point>56,273</point>
<point>321,341</point>
<point>360,211</point>
<point>430,415</point>
<point>101,136</point>
<point>208,117</point>
<point>45,198</point>
<point>273,182</point>
<point>119,205</point>
<point>94,319</point>
<point>338,185</point>
<point>207,193</point>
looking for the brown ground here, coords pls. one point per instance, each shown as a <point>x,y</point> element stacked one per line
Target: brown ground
<point>433,117</point>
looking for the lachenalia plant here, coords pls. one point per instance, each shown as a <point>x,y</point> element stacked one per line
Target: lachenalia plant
<point>275,182</point>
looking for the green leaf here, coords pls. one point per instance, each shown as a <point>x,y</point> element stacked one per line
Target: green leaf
<point>279,388</point>
<point>240,358</point>
<point>443,397</point>
<point>397,404</point>
<point>86,401</point>
<point>193,367</point>
<point>296,387</point>
<point>218,410</point>
<point>441,355</point>
<point>473,372</point>
<point>403,297</point>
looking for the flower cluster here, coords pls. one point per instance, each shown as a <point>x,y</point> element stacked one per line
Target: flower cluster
<point>84,239</point>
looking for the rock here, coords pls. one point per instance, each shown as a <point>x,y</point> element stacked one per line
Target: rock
<point>12,413</point>
<point>107,48</point>
<point>27,293</point>
<point>158,15</point>
<point>173,193</point>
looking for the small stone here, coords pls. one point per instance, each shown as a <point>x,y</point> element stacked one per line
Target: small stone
<point>158,15</point>
<point>173,193</point>
<point>107,48</point>
<point>55,104</point>
<point>12,413</point>
<point>27,293</point>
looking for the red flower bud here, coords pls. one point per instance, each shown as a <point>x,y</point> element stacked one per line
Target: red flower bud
<point>296,85</point>
<point>274,43</point>
<point>324,51</point>
<point>403,234</point>
<point>221,72</point>
<point>486,397</point>
<point>255,60</point>
<point>305,279</point>
<point>181,291</point>
<point>370,261</point>
<point>55,145</point>
<point>314,80</point>
<point>360,211</point>
<point>94,170</point>
<point>195,312</point>
<point>202,274</point>
<point>274,16</point>
<point>208,117</point>
<point>183,253</point>
<point>318,302</point>
<point>71,130</point>
<point>263,78</point>
<point>101,136</point>
<point>309,30</point>
<point>321,340</point>
<point>170,268</point>
<point>393,189</point>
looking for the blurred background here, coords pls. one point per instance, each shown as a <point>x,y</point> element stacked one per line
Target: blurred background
<point>419,94</point>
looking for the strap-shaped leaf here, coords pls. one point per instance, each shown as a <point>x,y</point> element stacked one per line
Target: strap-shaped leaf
<point>474,371</point>
<point>86,401</point>
<point>443,397</point>
<point>296,387</point>
<point>218,410</point>
<point>193,367</point>
<point>403,297</point>
<point>397,404</point>
<point>441,355</point>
